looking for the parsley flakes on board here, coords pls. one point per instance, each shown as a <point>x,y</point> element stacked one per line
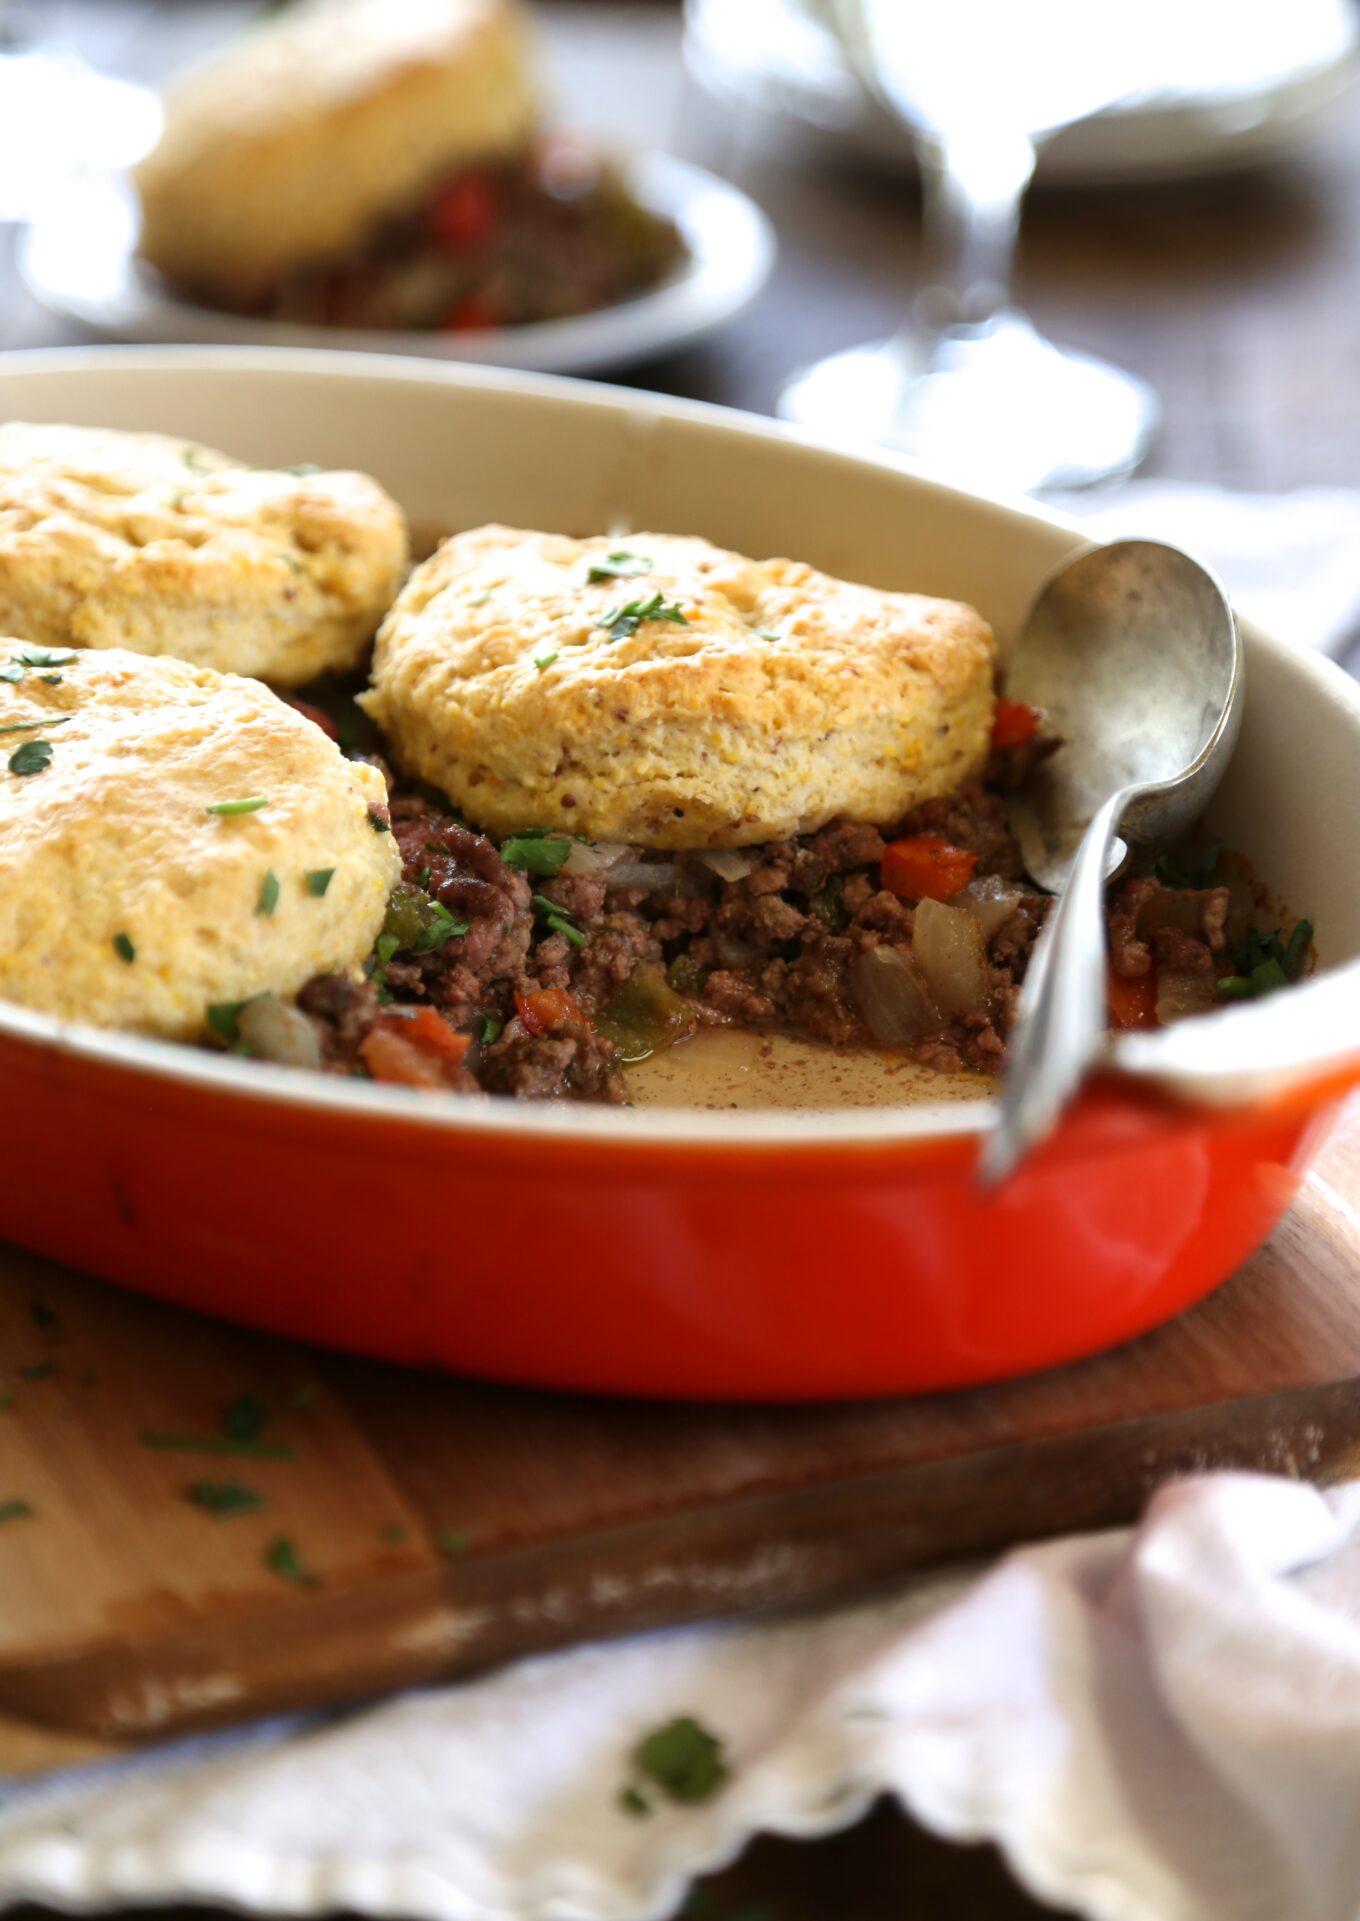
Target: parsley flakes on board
<point>281,1557</point>
<point>223,1498</point>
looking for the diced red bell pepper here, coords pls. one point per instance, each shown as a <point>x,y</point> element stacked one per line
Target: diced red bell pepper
<point>926,867</point>
<point>412,1050</point>
<point>1015,722</point>
<point>1131,1003</point>
<point>465,212</point>
<point>547,1008</point>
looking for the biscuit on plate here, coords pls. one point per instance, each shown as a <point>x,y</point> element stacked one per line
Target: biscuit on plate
<point>683,697</point>
<point>124,899</point>
<point>138,540</point>
<point>310,130</point>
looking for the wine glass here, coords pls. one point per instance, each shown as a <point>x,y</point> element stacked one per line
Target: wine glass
<point>969,384</point>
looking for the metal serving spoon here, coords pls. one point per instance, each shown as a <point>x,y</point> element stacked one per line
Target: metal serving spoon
<point>1133,653</point>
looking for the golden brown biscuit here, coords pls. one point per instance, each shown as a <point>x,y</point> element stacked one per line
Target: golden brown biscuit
<point>126,901</point>
<point>137,540</point>
<point>738,701</point>
<point>308,131</point>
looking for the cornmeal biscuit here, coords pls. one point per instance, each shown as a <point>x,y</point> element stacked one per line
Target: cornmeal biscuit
<point>125,900</point>
<point>138,540</point>
<point>685,697</point>
<point>309,131</point>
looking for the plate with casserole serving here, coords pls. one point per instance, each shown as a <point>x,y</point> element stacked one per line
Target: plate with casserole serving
<point>355,174</point>
<point>585,956</point>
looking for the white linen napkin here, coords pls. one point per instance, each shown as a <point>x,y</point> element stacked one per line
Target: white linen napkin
<point>1157,1725</point>
<point>1291,562</point>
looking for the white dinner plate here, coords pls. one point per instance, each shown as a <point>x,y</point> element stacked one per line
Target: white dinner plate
<point>1246,95</point>
<point>79,259</point>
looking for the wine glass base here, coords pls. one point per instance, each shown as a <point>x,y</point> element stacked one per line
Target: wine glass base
<point>1003,408</point>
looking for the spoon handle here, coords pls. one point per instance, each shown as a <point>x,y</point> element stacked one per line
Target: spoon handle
<point>1062,1007</point>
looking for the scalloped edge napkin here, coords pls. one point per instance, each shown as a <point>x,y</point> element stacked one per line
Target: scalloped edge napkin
<point>1155,1725</point>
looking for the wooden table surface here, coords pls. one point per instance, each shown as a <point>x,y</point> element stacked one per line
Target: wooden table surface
<point>1234,298</point>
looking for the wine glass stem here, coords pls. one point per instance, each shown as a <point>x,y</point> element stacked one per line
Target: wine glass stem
<point>972,189</point>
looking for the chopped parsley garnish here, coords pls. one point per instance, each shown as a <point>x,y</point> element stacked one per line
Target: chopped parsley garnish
<point>541,854</point>
<point>544,661</point>
<point>491,1029</point>
<point>12,674</point>
<point>682,1759</point>
<point>34,757</point>
<point>37,1371</point>
<point>625,621</point>
<point>1264,963</point>
<point>558,919</point>
<point>451,1540</point>
<point>168,1442</point>
<point>250,805</point>
<point>244,1418</point>
<point>43,1316</point>
<point>15,1511</point>
<point>51,680</point>
<point>480,600</point>
<point>42,657</point>
<point>32,726</point>
<point>220,1498</point>
<point>387,946</point>
<point>319,879</point>
<point>292,563</point>
<point>442,927</point>
<point>189,455</point>
<point>124,949</point>
<point>620,565</point>
<point>223,1017</point>
<point>763,633</point>
<point>281,1557</point>
<point>377,823</point>
<point>301,468</point>
<point>269,894</point>
<point>1193,872</point>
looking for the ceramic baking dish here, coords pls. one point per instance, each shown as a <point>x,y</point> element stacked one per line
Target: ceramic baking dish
<point>786,1253</point>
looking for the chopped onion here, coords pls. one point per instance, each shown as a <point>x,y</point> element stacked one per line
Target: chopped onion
<point>952,957</point>
<point>991,901</point>
<point>1182,994</point>
<point>656,876</point>
<point>892,997</point>
<point>585,861</point>
<point>277,1032</point>
<point>727,863</point>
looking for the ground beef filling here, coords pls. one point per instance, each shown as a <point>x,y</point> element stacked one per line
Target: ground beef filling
<point>553,234</point>
<point>551,968</point>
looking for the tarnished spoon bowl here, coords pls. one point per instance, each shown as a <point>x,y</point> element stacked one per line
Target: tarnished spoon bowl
<point>1133,653</point>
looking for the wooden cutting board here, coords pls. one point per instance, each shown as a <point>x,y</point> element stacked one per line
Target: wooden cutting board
<point>412,1527</point>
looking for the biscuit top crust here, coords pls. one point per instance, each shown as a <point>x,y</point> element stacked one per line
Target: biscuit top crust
<point>137,887</point>
<point>114,539</point>
<point>305,132</point>
<point>683,696</point>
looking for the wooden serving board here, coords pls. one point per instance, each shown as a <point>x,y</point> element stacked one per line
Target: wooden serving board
<point>438,1526</point>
